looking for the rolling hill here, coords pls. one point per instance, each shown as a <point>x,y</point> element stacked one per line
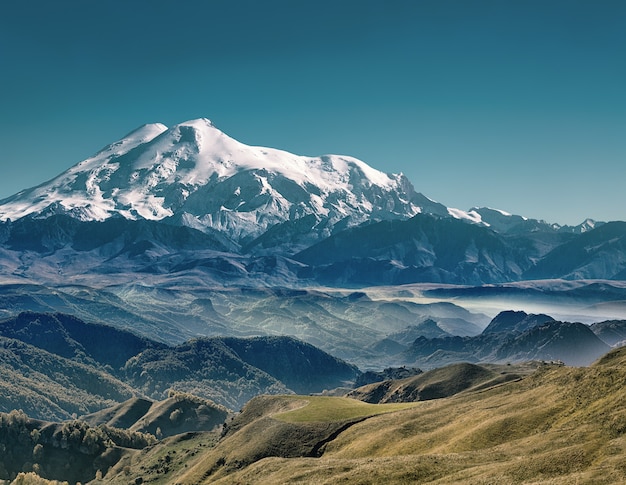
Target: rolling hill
<point>559,425</point>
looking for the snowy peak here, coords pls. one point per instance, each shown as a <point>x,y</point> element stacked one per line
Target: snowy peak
<point>198,176</point>
<point>585,226</point>
<point>499,220</point>
<point>215,153</point>
<point>143,134</point>
<point>471,215</point>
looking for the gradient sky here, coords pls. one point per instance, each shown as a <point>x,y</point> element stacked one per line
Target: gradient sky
<point>513,104</point>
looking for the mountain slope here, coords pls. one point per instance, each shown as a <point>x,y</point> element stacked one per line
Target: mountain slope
<point>571,343</point>
<point>550,424</point>
<point>423,248</point>
<point>613,332</point>
<point>429,248</point>
<point>100,365</point>
<point>506,223</point>
<point>512,321</point>
<point>48,386</point>
<point>437,383</point>
<point>232,371</point>
<point>72,338</point>
<point>205,205</point>
<point>246,211</point>
<point>112,237</point>
<point>300,366</point>
<point>599,253</point>
<point>71,451</point>
<point>345,326</point>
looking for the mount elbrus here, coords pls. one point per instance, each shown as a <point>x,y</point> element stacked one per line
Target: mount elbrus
<point>195,175</point>
<point>330,219</point>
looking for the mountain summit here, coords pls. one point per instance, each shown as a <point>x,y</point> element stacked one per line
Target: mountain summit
<point>193,174</point>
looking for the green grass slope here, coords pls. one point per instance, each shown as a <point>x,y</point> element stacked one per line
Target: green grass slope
<point>181,413</point>
<point>123,415</point>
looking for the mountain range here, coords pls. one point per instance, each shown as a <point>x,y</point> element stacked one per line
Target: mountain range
<point>195,175</point>
<point>54,366</point>
<point>190,199</point>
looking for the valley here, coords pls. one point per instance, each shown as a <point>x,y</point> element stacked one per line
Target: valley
<point>166,413</point>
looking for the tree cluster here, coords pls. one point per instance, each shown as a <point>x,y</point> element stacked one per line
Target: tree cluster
<point>28,445</point>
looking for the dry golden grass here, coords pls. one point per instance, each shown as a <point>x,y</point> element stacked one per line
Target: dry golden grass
<point>558,426</point>
<point>330,409</point>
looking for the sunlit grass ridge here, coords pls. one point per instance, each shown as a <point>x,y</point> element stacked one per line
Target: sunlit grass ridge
<point>329,409</point>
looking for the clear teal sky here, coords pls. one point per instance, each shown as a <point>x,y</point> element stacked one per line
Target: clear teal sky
<point>513,104</point>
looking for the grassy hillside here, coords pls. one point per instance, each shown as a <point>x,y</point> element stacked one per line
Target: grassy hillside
<point>559,425</point>
<point>334,409</point>
<point>443,382</point>
<point>556,425</point>
<point>286,426</point>
<point>161,463</point>
<point>179,413</point>
<point>110,440</point>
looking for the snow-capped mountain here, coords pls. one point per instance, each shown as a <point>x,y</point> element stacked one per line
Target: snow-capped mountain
<point>195,175</point>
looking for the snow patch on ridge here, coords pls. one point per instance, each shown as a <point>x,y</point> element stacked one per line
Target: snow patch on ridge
<point>471,216</point>
<point>507,214</point>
